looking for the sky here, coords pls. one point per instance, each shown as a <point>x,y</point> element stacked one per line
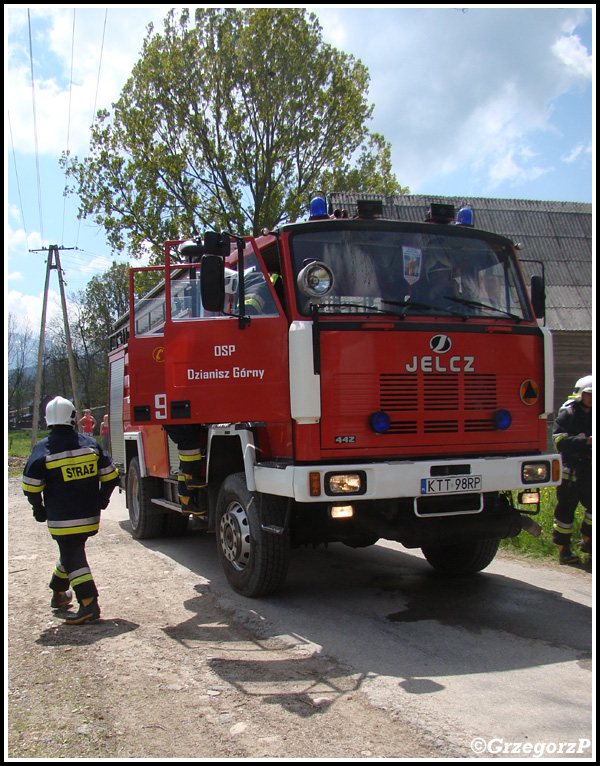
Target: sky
<point>476,101</point>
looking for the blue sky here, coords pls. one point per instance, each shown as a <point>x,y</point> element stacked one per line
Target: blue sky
<point>488,101</point>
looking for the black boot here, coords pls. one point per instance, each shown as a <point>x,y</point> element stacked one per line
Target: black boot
<point>61,599</point>
<point>89,611</point>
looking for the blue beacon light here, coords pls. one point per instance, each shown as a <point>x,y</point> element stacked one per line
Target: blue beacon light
<point>318,208</point>
<point>465,216</point>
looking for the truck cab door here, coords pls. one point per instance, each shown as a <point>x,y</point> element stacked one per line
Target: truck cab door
<point>218,370</point>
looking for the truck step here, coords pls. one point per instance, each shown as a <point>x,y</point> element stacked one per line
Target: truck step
<point>167,504</point>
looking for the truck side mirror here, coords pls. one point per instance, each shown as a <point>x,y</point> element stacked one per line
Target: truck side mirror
<point>212,282</point>
<point>538,297</point>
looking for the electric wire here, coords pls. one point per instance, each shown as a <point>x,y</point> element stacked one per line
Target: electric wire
<point>96,96</point>
<point>68,126</point>
<point>37,155</point>
<point>22,209</point>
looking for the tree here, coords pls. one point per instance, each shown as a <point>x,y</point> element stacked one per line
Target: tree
<point>20,350</point>
<point>106,298</point>
<point>372,173</point>
<point>229,122</point>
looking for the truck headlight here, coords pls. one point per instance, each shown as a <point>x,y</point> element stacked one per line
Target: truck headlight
<point>535,473</point>
<point>346,483</point>
<point>315,280</point>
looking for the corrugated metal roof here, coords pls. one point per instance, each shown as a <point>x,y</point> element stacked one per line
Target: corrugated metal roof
<point>557,233</point>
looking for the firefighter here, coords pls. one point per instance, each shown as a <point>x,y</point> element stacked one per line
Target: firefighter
<point>573,439</point>
<point>187,438</point>
<point>442,285</point>
<point>68,479</point>
<point>258,298</point>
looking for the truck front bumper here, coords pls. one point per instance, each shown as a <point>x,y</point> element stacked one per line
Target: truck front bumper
<point>406,479</point>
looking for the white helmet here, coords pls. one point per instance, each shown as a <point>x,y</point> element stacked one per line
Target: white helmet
<point>583,386</point>
<point>60,412</point>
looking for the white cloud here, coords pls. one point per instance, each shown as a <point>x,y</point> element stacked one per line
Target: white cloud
<point>580,150</point>
<point>508,169</point>
<point>30,306</point>
<point>574,55</point>
<point>64,114</point>
<point>17,241</point>
<point>457,90</point>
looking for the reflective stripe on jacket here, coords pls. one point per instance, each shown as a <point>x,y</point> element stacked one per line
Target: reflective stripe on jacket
<point>73,477</point>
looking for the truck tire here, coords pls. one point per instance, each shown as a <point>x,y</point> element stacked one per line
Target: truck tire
<point>255,561</point>
<point>462,559</point>
<point>146,520</point>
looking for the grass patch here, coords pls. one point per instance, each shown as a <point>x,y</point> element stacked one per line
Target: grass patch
<point>542,546</point>
<point>19,442</point>
<point>19,449</point>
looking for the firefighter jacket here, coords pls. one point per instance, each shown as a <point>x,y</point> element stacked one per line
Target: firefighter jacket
<point>73,477</point>
<point>572,428</point>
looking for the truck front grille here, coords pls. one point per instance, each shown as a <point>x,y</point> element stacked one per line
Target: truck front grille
<point>433,393</point>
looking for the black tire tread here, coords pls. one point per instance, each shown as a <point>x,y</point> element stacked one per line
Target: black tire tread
<point>270,553</point>
<point>462,559</point>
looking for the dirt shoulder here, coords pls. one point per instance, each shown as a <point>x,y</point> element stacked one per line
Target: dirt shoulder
<point>167,672</point>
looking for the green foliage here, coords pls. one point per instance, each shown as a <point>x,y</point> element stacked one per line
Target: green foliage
<point>231,122</point>
<point>106,298</point>
<point>542,547</point>
<point>19,442</point>
<point>372,173</point>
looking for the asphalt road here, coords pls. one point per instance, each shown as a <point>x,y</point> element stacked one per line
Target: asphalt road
<point>497,665</point>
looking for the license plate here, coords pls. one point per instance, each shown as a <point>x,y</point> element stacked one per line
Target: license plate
<point>446,484</point>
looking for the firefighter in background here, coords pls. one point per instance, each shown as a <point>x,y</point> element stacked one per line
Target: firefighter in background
<point>68,479</point>
<point>258,298</point>
<point>188,439</point>
<point>573,439</point>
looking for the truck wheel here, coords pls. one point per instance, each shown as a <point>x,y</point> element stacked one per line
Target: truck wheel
<point>465,558</point>
<point>145,520</point>
<point>255,561</point>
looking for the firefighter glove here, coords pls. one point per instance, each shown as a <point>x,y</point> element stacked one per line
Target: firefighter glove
<point>39,513</point>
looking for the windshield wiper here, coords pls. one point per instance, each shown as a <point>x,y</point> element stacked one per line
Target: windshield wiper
<point>368,309</point>
<point>478,304</point>
<point>400,304</point>
<point>426,307</point>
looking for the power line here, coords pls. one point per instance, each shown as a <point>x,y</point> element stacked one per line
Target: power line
<point>97,89</point>
<point>17,175</point>
<point>37,156</point>
<point>99,66</point>
<point>69,123</point>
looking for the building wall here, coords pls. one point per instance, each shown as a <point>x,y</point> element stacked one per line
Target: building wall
<point>572,360</point>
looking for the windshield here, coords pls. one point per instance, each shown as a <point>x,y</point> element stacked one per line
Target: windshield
<point>406,270</point>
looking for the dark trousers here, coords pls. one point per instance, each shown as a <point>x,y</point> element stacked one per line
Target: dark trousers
<point>569,494</point>
<point>188,439</point>
<point>72,568</point>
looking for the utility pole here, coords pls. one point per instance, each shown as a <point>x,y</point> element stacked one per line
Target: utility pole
<point>53,262</point>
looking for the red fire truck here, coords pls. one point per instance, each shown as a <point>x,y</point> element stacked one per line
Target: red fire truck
<point>350,378</point>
